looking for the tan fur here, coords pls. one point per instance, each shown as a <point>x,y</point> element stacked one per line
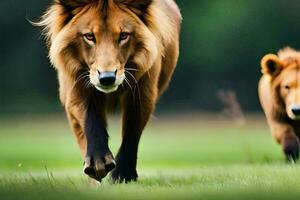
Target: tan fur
<point>279,89</point>
<point>153,54</point>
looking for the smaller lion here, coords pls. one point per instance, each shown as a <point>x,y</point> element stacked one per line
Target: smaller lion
<point>279,93</point>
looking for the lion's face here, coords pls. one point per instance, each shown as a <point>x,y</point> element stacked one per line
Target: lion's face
<point>290,91</point>
<point>285,77</point>
<point>105,46</point>
<point>110,40</point>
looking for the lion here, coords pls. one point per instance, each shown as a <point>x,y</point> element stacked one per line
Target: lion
<point>109,54</point>
<point>279,93</point>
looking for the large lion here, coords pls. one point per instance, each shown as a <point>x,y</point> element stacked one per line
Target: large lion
<point>279,92</point>
<point>109,53</point>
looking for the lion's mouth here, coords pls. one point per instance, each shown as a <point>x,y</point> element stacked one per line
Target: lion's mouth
<point>107,89</point>
<point>294,112</point>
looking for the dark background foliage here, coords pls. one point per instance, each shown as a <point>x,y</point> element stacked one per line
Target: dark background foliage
<point>222,43</point>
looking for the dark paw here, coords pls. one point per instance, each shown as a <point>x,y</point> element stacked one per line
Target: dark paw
<point>97,167</point>
<point>291,150</point>
<point>123,175</point>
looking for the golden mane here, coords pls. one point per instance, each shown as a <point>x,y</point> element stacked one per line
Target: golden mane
<point>159,23</point>
<point>57,16</point>
<point>289,55</point>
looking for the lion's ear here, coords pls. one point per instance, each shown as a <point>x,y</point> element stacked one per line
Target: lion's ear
<point>271,65</point>
<point>138,6</point>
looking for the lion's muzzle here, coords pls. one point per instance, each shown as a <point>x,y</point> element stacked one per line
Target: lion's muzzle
<point>106,81</point>
<point>296,110</point>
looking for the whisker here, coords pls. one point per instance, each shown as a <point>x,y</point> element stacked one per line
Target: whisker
<point>132,77</point>
<point>87,83</point>
<point>132,69</point>
<point>136,87</point>
<point>148,74</point>
<point>128,82</point>
<point>83,76</point>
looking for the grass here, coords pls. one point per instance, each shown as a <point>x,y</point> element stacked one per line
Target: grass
<point>186,157</point>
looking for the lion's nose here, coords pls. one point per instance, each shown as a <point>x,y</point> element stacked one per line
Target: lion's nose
<point>296,110</point>
<point>107,78</point>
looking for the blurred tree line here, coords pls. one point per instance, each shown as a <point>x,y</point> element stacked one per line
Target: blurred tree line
<point>222,42</point>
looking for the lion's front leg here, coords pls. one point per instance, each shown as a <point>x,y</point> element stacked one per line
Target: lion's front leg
<point>89,126</point>
<point>290,145</point>
<point>134,121</point>
<point>137,109</point>
<point>285,135</point>
<point>99,160</point>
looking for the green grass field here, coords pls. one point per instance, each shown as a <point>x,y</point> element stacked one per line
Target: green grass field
<point>185,157</point>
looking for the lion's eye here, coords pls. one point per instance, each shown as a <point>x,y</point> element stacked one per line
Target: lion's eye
<point>89,36</point>
<point>124,36</point>
<point>287,87</point>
